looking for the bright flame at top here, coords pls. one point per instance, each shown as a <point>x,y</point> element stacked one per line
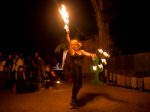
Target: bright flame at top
<point>65,17</point>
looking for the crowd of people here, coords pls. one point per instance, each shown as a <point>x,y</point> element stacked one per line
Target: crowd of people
<point>19,73</point>
<point>17,70</point>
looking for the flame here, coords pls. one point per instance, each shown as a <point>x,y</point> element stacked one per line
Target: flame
<point>65,17</point>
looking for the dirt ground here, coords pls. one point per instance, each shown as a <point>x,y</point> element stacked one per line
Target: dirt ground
<point>92,98</point>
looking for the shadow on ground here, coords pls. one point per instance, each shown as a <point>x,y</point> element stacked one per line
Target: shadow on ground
<point>88,97</point>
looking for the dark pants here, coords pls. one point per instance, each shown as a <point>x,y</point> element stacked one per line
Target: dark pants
<point>77,81</point>
<point>20,86</point>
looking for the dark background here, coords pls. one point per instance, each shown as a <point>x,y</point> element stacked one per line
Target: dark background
<point>30,25</point>
<point>36,25</point>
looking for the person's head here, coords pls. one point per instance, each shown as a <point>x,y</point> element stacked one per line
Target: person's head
<point>75,44</point>
<point>10,56</point>
<point>17,56</point>
<point>36,54</point>
<point>48,68</point>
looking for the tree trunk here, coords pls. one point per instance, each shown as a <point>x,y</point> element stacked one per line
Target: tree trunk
<point>103,25</point>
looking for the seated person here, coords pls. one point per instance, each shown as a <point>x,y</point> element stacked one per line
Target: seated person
<point>49,76</point>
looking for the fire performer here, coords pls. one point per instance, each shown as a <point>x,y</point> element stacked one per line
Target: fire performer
<point>76,56</point>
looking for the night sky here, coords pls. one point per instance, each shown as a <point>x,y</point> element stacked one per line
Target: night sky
<point>31,25</point>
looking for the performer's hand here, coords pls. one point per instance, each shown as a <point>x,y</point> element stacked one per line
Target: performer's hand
<point>66,28</point>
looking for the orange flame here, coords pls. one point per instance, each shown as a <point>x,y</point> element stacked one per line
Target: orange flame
<point>65,17</point>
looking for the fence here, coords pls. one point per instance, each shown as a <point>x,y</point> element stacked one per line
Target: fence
<point>132,71</point>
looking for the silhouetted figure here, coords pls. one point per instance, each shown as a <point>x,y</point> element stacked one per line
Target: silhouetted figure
<point>20,80</point>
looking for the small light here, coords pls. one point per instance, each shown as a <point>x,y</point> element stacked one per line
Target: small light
<point>100,51</point>
<point>94,68</point>
<point>100,66</point>
<point>58,82</point>
<point>105,54</point>
<point>104,61</point>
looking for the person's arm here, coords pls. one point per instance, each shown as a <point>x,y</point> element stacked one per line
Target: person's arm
<point>88,54</point>
<point>16,76</point>
<point>71,51</point>
<point>68,37</point>
<point>24,77</point>
<point>53,73</point>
